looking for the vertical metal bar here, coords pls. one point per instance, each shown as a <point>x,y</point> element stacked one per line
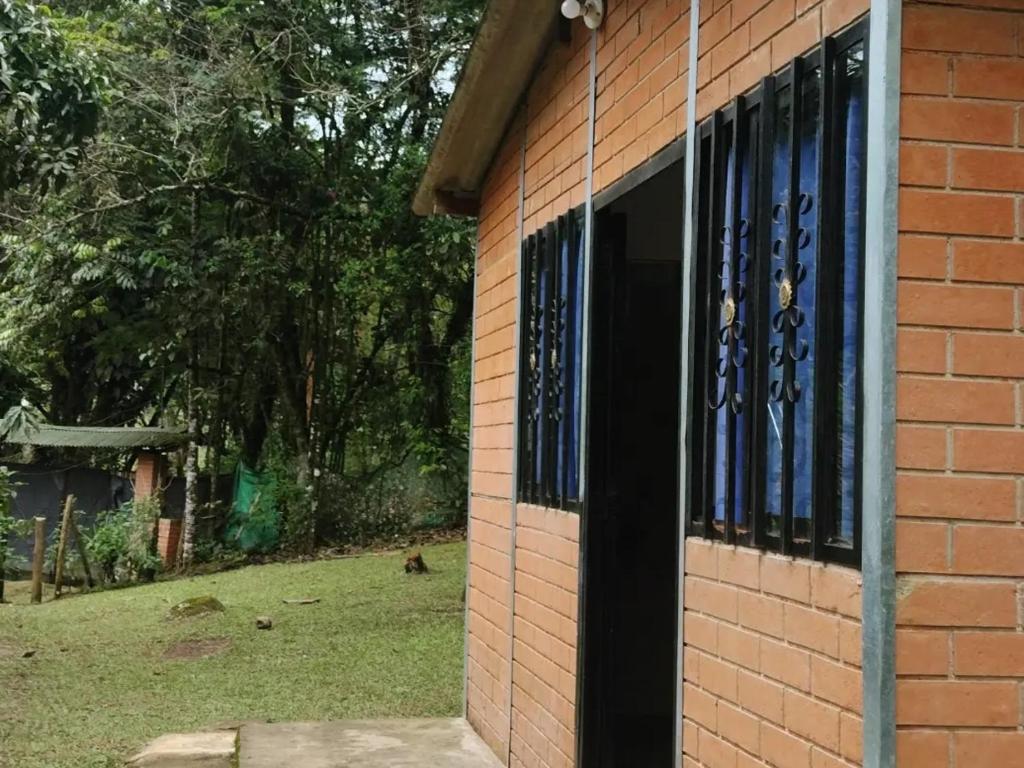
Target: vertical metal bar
<point>789,332</point>
<point>879,383</point>
<point>550,395</point>
<point>739,110</point>
<point>828,307</point>
<point>559,306</point>
<point>759,342</point>
<point>689,274</point>
<point>711,332</point>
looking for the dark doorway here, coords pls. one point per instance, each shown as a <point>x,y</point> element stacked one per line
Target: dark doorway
<point>630,525</point>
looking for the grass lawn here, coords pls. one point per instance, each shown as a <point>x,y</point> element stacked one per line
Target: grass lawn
<point>378,644</point>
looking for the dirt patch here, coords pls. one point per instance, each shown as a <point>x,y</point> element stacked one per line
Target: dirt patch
<point>9,651</point>
<point>190,650</point>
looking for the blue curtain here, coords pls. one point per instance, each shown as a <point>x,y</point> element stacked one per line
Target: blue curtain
<point>849,374</point>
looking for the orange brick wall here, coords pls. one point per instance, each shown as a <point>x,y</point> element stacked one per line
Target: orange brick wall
<point>960,445</point>
<point>771,661</point>
<point>148,474</point>
<point>643,60</point>
<point>544,674</point>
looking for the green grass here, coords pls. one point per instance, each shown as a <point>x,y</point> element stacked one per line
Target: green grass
<point>379,644</point>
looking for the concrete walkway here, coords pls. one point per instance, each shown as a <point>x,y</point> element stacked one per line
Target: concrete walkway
<point>437,743</point>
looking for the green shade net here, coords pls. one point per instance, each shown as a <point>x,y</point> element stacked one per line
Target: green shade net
<point>254,520</point>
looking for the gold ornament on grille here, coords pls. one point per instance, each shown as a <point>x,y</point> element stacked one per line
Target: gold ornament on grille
<point>729,311</point>
<point>785,294</point>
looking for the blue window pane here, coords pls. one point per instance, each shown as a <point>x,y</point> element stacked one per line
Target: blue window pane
<point>804,293</point>
<point>745,242</point>
<point>721,259</point>
<point>851,84</point>
<point>576,419</point>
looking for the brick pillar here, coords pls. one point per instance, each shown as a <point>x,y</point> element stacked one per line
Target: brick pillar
<point>149,472</point>
<point>168,534</point>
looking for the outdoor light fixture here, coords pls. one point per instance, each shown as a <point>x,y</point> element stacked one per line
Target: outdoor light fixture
<point>592,11</point>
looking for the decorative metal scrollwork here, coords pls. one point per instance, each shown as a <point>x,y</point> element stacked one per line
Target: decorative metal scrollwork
<point>790,316</point>
<point>733,330</point>
<point>556,385</point>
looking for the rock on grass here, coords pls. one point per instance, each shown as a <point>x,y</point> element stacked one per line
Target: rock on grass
<point>197,606</point>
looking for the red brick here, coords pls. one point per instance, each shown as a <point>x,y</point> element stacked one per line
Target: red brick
<point>956,603</point>
<point>951,496</point>
<point>925,73</point>
<point>773,17</point>
<point>988,748</point>
<point>836,589</point>
<point>968,122</point>
<point>786,577</point>
<point>988,450</point>
<point>924,165</point>
<point>961,213</point>
<point>716,753</point>
<point>990,550</point>
<point>738,727</point>
<point>782,750</point>
<point>711,598</point>
<point>988,261</point>
<point>740,566</point>
<point>978,354</point>
<point>952,703</point>
<point>837,684</point>
<point>732,49</point>
<point>797,38</point>
<point>922,652</point>
<point>851,738</point>
<point>947,29</point>
<point>700,707</point>
<point>738,646</point>
<point>921,351</point>
<point>922,749</point>
<point>921,547</point>
<point>988,654</point>
<point>988,169</point>
<point>837,14</point>
<point>700,631</point>
<point>786,664</point>
<point>815,721</point>
<point>922,256</point>
<point>701,558</point>
<point>955,306</point>
<point>718,677</point>
<point>920,447</point>
<point>761,613</point>
<point>946,400</point>
<point>761,696</point>
<point>812,629</point>
<point>989,78</point>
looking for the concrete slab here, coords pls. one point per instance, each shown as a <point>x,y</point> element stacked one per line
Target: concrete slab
<point>438,743</point>
<point>214,749</point>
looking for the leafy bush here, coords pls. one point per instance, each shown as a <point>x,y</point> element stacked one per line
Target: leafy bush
<point>122,541</point>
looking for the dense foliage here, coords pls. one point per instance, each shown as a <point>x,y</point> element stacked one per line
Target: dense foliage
<point>235,252</point>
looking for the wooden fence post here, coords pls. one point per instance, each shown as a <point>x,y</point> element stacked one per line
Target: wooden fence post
<point>83,554</point>
<point>62,542</point>
<point>37,560</point>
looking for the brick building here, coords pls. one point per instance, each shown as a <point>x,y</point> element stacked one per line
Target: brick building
<point>747,481</point>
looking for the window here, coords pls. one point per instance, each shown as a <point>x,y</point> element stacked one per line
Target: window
<point>775,427</point>
<point>551,378</point>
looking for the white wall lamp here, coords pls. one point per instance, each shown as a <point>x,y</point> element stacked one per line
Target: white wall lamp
<point>592,11</point>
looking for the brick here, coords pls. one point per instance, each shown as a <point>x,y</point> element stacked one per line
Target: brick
<point>761,696</point>
<point>922,256</point>
<point>924,165</point>
<point>851,738</point>
<point>989,78</point>
<point>761,613</point>
<point>711,598</point>
<point>922,547</point>
<point>953,496</point>
<point>786,577</point>
<point>700,707</point>
<point>925,73</point>
<point>920,447</point>
<point>988,748</point>
<point>782,750</point>
<point>988,355</point>
<point>988,261</point>
<point>739,728</point>
<point>786,664</point>
<point>922,749</point>
<point>836,683</point>
<point>988,169</point>
<point>946,400</point>
<point>701,558</point>
<point>990,550</point>
<point>988,450</point>
<point>715,753</point>
<point>988,654</point>
<point>837,14</point>
<point>920,351</point>
<point>738,646</point>
<point>955,603</point>
<point>732,49</point>
<point>963,31</point>
<point>922,652</point>
<point>795,39</point>
<point>812,629</point>
<point>960,213</point>
<point>769,20</point>
<point>850,642</point>
<point>718,677</point>
<point>956,703</point>
<point>700,631</point>
<point>815,721</point>
<point>836,589</point>
<point>955,306</point>
<point>967,122</point>
<point>740,566</point>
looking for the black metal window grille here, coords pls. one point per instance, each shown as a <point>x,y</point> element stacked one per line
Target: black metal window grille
<point>775,413</point>
<point>550,364</point>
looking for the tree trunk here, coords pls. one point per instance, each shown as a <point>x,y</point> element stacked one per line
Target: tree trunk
<point>188,522</point>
